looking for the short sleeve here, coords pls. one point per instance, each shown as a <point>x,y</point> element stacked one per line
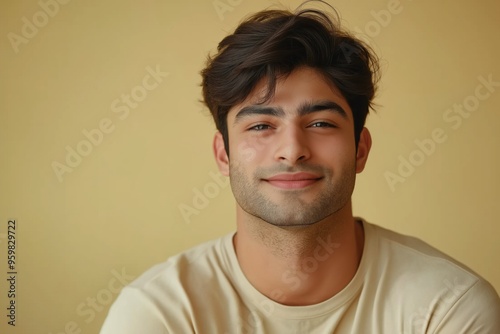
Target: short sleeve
<point>476,312</point>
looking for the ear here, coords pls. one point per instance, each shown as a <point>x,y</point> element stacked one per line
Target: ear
<point>364,146</point>
<point>220,154</point>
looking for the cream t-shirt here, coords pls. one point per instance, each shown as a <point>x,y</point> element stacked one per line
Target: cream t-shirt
<point>402,285</point>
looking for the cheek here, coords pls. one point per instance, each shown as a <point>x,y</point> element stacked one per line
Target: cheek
<point>250,150</point>
<point>334,150</point>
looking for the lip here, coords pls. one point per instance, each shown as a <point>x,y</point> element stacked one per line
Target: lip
<point>293,181</point>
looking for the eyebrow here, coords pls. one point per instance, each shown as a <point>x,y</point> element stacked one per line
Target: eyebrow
<point>304,109</point>
<point>326,105</point>
<point>258,110</point>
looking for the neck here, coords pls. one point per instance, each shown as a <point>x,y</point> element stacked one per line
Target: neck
<point>299,265</point>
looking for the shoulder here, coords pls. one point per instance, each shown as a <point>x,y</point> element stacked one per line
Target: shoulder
<point>186,272</point>
<point>437,291</point>
<point>164,297</point>
<point>409,259</point>
<point>202,259</point>
<point>416,252</point>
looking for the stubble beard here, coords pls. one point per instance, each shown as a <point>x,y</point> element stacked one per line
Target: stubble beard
<point>289,209</point>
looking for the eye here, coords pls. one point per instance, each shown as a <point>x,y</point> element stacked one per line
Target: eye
<point>322,125</point>
<point>259,127</point>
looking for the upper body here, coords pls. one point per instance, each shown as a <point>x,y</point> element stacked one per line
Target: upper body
<point>289,93</point>
<point>402,285</point>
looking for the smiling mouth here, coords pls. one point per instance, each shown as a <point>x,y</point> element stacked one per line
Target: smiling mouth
<point>293,181</point>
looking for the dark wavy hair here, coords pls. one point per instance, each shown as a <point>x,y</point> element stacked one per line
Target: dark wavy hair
<point>271,44</point>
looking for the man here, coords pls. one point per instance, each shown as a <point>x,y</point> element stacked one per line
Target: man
<point>289,93</point>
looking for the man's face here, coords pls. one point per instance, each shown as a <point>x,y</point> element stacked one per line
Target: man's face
<point>293,159</point>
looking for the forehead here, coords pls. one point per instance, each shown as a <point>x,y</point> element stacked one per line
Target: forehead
<point>304,84</point>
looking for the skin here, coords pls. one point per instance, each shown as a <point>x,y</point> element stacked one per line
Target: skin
<point>292,169</point>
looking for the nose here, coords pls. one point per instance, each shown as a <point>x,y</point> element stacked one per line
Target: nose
<point>291,146</point>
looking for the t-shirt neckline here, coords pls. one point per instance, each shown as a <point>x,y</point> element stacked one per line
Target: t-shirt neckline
<point>255,300</point>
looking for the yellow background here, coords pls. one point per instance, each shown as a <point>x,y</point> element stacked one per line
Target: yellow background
<point>119,209</point>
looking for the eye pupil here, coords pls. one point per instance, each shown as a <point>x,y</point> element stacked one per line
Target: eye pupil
<point>259,127</point>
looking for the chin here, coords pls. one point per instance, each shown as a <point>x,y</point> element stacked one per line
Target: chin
<point>293,223</point>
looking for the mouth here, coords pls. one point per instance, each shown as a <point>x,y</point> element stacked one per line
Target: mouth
<point>293,181</point>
